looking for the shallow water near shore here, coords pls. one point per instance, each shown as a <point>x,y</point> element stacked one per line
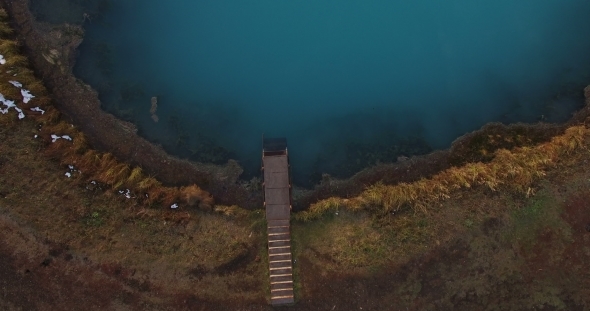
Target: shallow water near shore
<point>349,83</point>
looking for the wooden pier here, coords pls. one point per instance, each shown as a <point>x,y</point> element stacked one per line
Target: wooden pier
<point>277,202</point>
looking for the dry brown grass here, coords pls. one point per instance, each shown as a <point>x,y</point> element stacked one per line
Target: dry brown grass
<point>8,46</point>
<point>148,183</point>
<point>135,176</point>
<point>511,170</point>
<point>97,166</point>
<point>164,195</point>
<point>25,75</point>
<point>16,61</point>
<point>231,211</point>
<point>195,196</point>
<point>115,175</point>
<point>36,87</point>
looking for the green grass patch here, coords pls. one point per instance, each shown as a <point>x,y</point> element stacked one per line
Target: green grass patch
<point>357,240</point>
<point>539,213</point>
<point>94,219</point>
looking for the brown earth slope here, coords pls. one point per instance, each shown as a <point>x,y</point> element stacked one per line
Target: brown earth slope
<point>71,247</point>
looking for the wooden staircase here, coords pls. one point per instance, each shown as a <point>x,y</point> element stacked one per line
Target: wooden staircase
<point>277,203</point>
<point>280,262</point>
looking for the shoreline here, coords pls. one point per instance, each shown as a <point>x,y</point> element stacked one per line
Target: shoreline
<point>52,51</point>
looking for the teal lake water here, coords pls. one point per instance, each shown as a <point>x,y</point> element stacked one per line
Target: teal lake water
<point>350,83</point>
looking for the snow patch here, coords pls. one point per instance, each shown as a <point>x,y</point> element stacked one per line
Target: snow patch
<point>174,205</point>
<point>38,110</point>
<point>126,193</point>
<point>27,96</point>
<point>10,104</point>
<point>54,137</point>
<point>7,103</point>
<point>16,83</point>
<point>21,115</point>
<point>2,60</point>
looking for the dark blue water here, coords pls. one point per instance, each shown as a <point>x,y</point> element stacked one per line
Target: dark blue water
<point>350,83</point>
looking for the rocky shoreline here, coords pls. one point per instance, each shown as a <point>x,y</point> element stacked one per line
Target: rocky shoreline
<point>52,50</point>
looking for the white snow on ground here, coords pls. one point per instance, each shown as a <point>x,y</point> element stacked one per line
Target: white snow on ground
<point>54,137</point>
<point>27,96</point>
<point>2,60</point>
<point>174,205</point>
<point>7,103</point>
<point>38,110</point>
<point>16,83</point>
<point>126,193</point>
<point>72,170</point>
<point>21,115</point>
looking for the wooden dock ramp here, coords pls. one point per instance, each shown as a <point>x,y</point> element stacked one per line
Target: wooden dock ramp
<point>277,202</point>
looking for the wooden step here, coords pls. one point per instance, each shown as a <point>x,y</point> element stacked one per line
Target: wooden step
<point>282,300</point>
<point>279,243</point>
<point>287,277</point>
<point>275,271</point>
<point>277,286</point>
<point>282,282</point>
<point>281,229</point>
<point>279,236</point>
<point>278,223</point>
<point>279,249</point>
<point>281,292</point>
<point>280,256</point>
<point>280,264</point>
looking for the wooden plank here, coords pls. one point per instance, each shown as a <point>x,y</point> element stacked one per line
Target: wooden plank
<point>280,264</point>
<point>281,278</point>
<point>282,243</point>
<point>277,230</point>
<point>281,256</point>
<point>281,270</point>
<point>275,164</point>
<point>276,286</point>
<point>280,211</point>
<point>276,179</point>
<point>275,196</point>
<point>281,292</point>
<point>279,236</point>
<point>279,250</point>
<point>278,223</point>
<point>282,300</point>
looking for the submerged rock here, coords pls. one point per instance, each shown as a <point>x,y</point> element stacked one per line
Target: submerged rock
<point>154,108</point>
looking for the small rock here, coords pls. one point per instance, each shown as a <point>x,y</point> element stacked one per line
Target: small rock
<point>402,158</point>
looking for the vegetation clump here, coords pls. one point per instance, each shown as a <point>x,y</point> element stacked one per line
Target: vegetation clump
<point>509,169</point>
<point>195,196</point>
